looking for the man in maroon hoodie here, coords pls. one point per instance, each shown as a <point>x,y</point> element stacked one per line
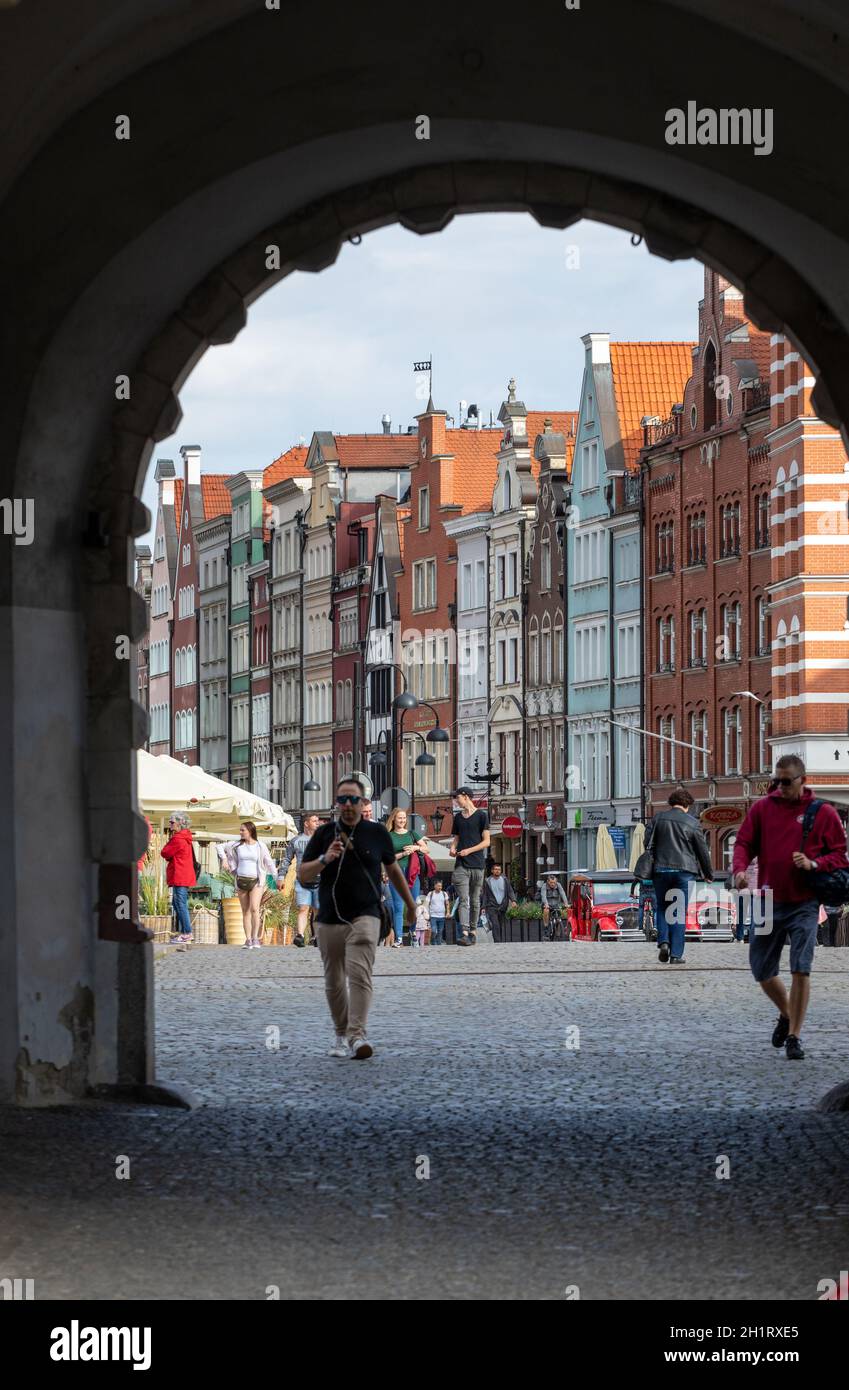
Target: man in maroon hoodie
<point>772,833</point>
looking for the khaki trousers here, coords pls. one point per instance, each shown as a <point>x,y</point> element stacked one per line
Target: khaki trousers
<point>347,953</point>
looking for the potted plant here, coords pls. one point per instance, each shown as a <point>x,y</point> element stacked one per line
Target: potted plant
<point>155,904</point>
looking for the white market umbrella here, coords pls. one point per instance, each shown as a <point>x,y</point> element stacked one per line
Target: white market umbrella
<point>638,844</point>
<point>605,854</point>
<point>439,854</point>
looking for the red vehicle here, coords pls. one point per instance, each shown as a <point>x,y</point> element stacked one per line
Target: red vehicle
<point>601,906</point>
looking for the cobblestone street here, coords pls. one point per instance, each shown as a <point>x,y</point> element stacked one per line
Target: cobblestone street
<point>550,1165</point>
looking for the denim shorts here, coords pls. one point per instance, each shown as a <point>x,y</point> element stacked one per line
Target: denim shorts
<point>305,897</point>
<point>793,922</point>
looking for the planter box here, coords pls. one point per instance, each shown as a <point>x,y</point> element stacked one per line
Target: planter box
<point>233,925</point>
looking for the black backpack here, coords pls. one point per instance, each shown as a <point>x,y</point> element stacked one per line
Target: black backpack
<point>830,888</point>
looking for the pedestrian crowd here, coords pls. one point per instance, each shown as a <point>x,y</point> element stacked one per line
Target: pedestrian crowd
<point>361,884</point>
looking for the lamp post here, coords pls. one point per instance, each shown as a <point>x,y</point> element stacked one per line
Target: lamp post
<point>309,786</point>
<point>435,734</point>
<point>404,700</point>
<point>424,759</point>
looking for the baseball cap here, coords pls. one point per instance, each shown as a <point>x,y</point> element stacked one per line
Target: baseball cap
<point>463,791</point>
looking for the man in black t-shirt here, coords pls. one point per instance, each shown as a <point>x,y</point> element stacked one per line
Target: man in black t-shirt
<point>347,855</point>
<point>469,844</point>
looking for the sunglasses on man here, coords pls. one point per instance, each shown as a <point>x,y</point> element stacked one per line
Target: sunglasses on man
<point>786,781</point>
<point>347,800</point>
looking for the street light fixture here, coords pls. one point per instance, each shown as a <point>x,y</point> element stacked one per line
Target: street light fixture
<point>437,818</point>
<point>310,785</point>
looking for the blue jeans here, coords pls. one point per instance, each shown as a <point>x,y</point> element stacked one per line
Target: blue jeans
<point>398,908</point>
<point>437,931</point>
<point>672,916</point>
<point>180,901</point>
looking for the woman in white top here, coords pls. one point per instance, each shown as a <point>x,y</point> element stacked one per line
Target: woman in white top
<point>250,861</point>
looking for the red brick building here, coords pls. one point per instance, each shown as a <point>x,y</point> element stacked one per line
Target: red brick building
<point>809,585</point>
<point>706,576</point>
<point>454,473</point>
<point>350,588</point>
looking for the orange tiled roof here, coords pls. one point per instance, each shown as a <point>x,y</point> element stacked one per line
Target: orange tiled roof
<point>475,463</point>
<point>376,450</point>
<point>648,379</point>
<point>178,501</point>
<point>288,465</point>
<point>563,422</point>
<point>216,497</point>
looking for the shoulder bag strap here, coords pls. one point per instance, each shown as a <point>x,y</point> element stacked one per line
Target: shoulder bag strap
<point>810,817</point>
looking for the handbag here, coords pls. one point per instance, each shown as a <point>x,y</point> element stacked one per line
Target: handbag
<point>644,867</point>
<point>831,887</point>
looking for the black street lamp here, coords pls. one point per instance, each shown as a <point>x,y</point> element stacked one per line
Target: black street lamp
<point>403,701</point>
<point>309,786</point>
<point>437,818</point>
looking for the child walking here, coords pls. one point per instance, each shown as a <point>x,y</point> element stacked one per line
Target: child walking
<point>422,921</point>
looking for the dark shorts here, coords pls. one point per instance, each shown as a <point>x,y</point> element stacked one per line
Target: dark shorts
<point>793,922</point>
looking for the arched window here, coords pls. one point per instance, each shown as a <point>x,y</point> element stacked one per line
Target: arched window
<point>349,699</point>
<point>545,558</point>
<point>508,491</point>
<point>533,651</point>
<point>709,383</point>
<point>340,696</point>
<point>546,650</point>
<point>558,649</point>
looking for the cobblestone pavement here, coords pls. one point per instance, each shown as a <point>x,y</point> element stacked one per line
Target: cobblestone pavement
<point>550,1165</point>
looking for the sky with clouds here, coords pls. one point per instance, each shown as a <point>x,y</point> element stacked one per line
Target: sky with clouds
<point>492,296</point>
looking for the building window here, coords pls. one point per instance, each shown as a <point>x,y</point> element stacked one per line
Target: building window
<point>466,601</point>
<point>545,559</point>
<point>762,537</point>
<point>508,491</point>
<point>627,650</point>
<point>763,626</point>
<point>424,508</point>
<point>696,539</point>
<point>732,725</point>
<point>590,652</point>
<point>666,644</point>
<point>533,653</point>
<point>546,652</point>
<point>764,720</point>
<point>666,758</point>
<point>698,738</point>
<point>731,634</point>
<point>480,584</point>
<point>424,584</point>
<point>589,466</point>
<point>664,541</point>
<point>558,649</point>
<point>500,576</point>
<point>698,637</point>
<point>729,529</point>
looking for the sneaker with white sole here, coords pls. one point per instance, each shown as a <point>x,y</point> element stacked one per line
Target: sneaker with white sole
<point>246,945</point>
<point>360,1049</point>
<point>340,1048</point>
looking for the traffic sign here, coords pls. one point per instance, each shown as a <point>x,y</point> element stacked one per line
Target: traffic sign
<point>511,826</point>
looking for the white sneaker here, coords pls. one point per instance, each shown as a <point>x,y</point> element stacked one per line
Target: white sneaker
<point>360,1049</point>
<point>340,1048</point>
<point>246,945</point>
<point>257,945</point>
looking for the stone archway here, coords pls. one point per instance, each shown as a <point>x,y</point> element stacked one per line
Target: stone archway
<point>175,251</point>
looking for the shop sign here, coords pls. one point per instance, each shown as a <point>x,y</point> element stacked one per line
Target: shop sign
<point>723,815</point>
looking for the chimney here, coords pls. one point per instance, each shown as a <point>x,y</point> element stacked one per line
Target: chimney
<point>164,475</point>
<point>386,421</point>
<point>191,459</point>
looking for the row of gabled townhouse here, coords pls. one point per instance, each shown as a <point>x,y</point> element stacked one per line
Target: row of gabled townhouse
<point>592,605</point>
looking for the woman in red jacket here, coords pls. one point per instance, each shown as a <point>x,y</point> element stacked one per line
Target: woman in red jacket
<point>180,874</point>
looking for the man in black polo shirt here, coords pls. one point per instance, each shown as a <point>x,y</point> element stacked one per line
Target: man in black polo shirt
<point>346,856</point>
<point>469,844</point>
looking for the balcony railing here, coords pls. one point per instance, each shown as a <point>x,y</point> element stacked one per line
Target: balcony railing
<point>664,567</point>
<point>697,662</point>
<point>730,549</point>
<point>756,397</point>
<point>660,430</point>
<point>762,540</point>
